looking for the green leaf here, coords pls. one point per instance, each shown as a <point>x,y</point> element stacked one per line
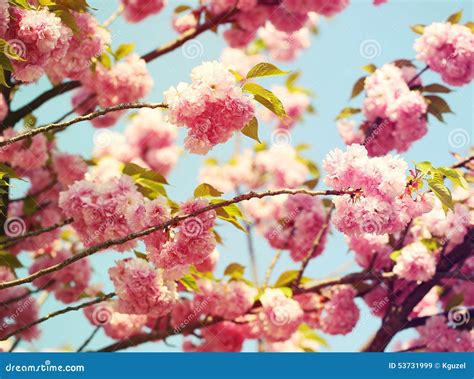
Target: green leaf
<point>311,183</point>
<point>424,167</point>
<point>235,270</point>
<point>454,301</point>
<point>456,176</point>
<point>442,193</point>
<point>140,255</point>
<point>8,51</point>
<point>67,19</point>
<point>418,29</point>
<point>431,244</point>
<point>189,282</point>
<point>403,63</point>
<point>292,79</point>
<point>9,260</point>
<point>124,50</point>
<point>24,4</point>
<point>224,215</point>
<point>395,254</point>
<point>237,76</point>
<point>105,61</point>
<point>455,17</point>
<point>346,112</point>
<point>134,170</point>
<point>358,87</point>
<point>182,8</point>
<point>264,69</point>
<point>206,190</point>
<point>437,106</point>
<point>251,130</point>
<point>470,25</point>
<point>287,291</point>
<point>29,121</point>
<point>266,98</point>
<point>370,68</point>
<point>435,88</point>
<point>286,278</point>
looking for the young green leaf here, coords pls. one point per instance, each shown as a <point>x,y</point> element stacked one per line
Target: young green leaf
<point>346,112</point>
<point>358,87</point>
<point>442,193</point>
<point>251,130</point>
<point>206,190</point>
<point>265,69</point>
<point>418,29</point>
<point>455,17</point>
<point>370,68</point>
<point>266,98</point>
<point>123,50</point>
<point>234,270</point>
<point>286,278</point>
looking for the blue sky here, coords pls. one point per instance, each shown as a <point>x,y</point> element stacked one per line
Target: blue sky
<point>330,67</point>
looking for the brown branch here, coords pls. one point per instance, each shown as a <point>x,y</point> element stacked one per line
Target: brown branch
<point>173,221</point>
<point>464,162</point>
<point>87,117</point>
<point>58,313</point>
<point>419,321</point>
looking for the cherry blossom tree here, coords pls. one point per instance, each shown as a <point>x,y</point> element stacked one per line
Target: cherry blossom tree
<point>408,224</point>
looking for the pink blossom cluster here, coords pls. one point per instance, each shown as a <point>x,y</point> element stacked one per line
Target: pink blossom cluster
<point>382,206</point>
<point>416,263</point>
<point>224,336</point>
<point>289,16</point>
<point>89,42</point>
<point>39,37</point>
<point>296,103</point>
<point>395,114</point>
<point>182,24</point>
<point>280,316</point>
<point>239,60</point>
<point>116,325</point>
<point>18,313</point>
<point>227,300</point>
<point>212,107</point>
<point>258,169</point>
<point>69,168</point>
<point>141,289</point>
<point>3,108</point>
<point>137,10</point>
<point>449,50</point>
<point>4,16</point>
<point>438,336</point>
<point>192,243</point>
<point>299,226</point>
<point>68,283</point>
<point>369,246</point>
<point>24,156</point>
<point>340,314</point>
<point>127,81</point>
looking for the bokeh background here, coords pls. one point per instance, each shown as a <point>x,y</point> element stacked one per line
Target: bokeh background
<point>360,35</point>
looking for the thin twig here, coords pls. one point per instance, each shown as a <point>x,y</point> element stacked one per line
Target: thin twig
<point>89,339</point>
<point>270,269</point>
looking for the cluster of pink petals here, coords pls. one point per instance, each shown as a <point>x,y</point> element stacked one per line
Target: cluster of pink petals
<point>116,325</point>
<point>377,300</point>
<point>227,300</point>
<point>258,169</point>
<point>382,207</point>
<point>68,283</point>
<point>415,263</point>
<point>24,156</point>
<point>449,50</point>
<point>127,81</point>
<point>137,10</point>
<point>239,61</point>
<point>224,336</point>
<point>297,225</point>
<point>4,16</point>
<point>3,108</point>
<point>17,313</point>
<point>280,316</point>
<point>367,245</point>
<point>395,114</point>
<point>89,42</point>
<point>69,168</point>
<point>340,314</point>
<point>141,289</point>
<point>296,103</point>
<point>212,107</point>
<point>39,37</point>
<point>192,243</point>
<point>284,46</point>
<point>438,336</point>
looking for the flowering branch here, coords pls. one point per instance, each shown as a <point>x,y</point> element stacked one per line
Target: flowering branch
<point>419,321</point>
<point>58,313</point>
<point>173,221</point>
<point>87,117</point>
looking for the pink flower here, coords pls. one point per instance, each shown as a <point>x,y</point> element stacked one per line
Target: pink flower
<point>212,107</point>
<point>41,39</point>
<point>282,45</point>
<point>224,336</point>
<point>141,289</point>
<point>90,42</point>
<point>377,300</point>
<point>69,168</point>
<point>4,16</point>
<point>184,23</point>
<point>449,50</point>
<point>239,61</point>
<point>280,316</point>
<point>137,10</point>
<point>208,264</point>
<point>68,283</point>
<point>415,262</point>
<point>367,245</point>
<point>340,313</point>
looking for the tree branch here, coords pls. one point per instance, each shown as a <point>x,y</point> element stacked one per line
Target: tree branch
<point>57,313</point>
<point>173,221</point>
